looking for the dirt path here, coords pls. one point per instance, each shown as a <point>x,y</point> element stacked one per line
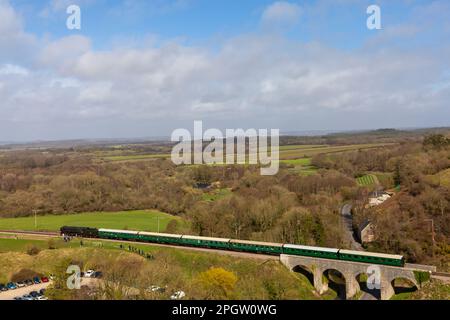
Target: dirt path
<point>346,213</point>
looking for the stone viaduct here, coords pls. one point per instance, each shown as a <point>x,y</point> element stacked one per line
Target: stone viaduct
<point>350,271</point>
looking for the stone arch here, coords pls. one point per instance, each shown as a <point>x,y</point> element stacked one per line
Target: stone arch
<point>336,280</point>
<point>404,284</point>
<point>306,271</point>
<point>361,278</point>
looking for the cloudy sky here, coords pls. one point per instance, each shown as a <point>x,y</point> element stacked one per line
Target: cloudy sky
<point>141,68</point>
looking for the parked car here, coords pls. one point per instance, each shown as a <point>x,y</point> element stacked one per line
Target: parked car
<point>156,289</point>
<point>34,294</point>
<point>42,291</point>
<point>44,279</point>
<point>3,287</point>
<point>178,295</point>
<point>11,286</point>
<point>29,282</point>
<point>18,298</point>
<point>27,297</point>
<point>21,284</point>
<point>42,298</point>
<point>98,274</point>
<point>36,280</point>
<point>89,274</point>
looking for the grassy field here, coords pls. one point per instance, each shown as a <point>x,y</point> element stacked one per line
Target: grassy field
<point>144,220</point>
<point>442,178</point>
<point>216,194</point>
<point>301,166</point>
<point>367,180</point>
<point>302,152</point>
<point>136,157</point>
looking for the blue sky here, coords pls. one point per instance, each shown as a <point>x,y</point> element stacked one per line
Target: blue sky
<point>146,67</point>
<point>197,22</point>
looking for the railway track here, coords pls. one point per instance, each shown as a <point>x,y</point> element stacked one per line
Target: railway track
<point>33,233</point>
<point>222,252</point>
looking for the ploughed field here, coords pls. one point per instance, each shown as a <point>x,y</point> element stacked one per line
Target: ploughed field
<point>134,220</point>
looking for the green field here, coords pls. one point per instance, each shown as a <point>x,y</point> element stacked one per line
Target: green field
<point>367,180</point>
<point>216,194</point>
<point>442,178</point>
<point>136,157</point>
<point>298,162</point>
<point>288,152</point>
<point>301,166</point>
<point>143,220</point>
<point>296,152</point>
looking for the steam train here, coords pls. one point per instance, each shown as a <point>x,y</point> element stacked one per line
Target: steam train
<point>235,245</point>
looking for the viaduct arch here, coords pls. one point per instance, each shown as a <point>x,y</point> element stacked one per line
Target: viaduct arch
<point>350,271</point>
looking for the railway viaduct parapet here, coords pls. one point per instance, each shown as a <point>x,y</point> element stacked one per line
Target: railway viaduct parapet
<point>350,271</point>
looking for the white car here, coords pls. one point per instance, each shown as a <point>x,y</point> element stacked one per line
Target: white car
<point>42,298</point>
<point>178,295</point>
<point>89,274</point>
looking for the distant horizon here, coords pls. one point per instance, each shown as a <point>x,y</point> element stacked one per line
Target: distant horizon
<point>166,139</point>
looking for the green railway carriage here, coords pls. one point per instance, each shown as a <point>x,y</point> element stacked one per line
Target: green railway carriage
<point>118,234</point>
<point>159,237</point>
<point>371,257</point>
<point>247,246</point>
<point>326,253</point>
<point>195,241</point>
<point>256,246</point>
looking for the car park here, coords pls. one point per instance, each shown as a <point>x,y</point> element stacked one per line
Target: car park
<point>178,295</point>
<point>11,286</point>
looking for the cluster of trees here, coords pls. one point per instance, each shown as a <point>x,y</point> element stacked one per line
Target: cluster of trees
<point>416,221</point>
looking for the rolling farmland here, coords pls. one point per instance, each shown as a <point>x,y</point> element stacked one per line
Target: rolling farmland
<point>367,180</point>
<point>145,220</point>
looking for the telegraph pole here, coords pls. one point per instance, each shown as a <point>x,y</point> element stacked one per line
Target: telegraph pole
<point>432,233</point>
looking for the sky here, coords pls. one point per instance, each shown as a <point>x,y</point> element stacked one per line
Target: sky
<point>143,68</point>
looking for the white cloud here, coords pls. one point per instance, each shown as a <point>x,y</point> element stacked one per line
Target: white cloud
<point>15,44</point>
<point>10,69</point>
<point>282,12</point>
<point>72,90</point>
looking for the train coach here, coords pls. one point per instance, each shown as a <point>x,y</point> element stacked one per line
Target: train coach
<point>237,245</point>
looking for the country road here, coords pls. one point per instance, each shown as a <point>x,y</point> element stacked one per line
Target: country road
<point>347,217</point>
